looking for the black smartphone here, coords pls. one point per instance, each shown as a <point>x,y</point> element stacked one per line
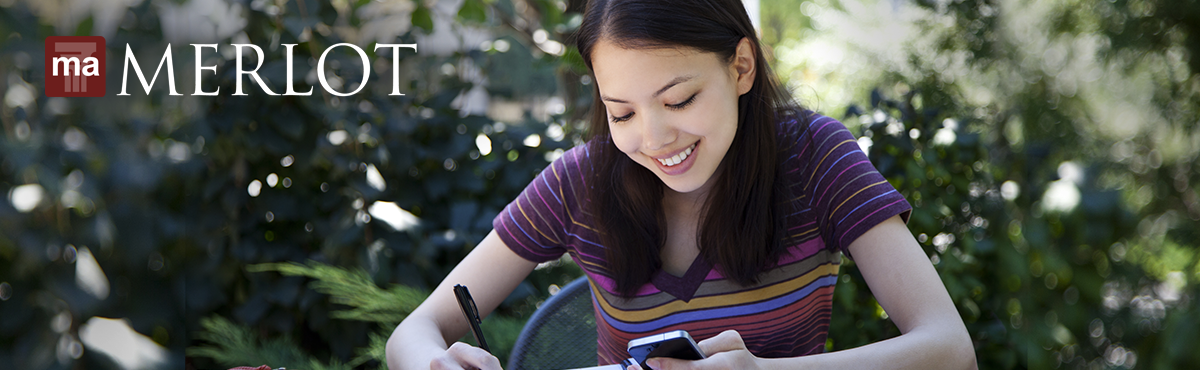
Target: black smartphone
<point>676,344</point>
<point>472,314</point>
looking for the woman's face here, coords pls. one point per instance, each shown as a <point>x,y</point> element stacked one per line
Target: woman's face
<point>673,110</point>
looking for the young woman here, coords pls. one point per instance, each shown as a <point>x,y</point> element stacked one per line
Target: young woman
<point>706,200</point>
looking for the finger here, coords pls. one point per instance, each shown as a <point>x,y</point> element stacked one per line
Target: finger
<point>728,340</point>
<point>635,366</point>
<point>444,363</point>
<point>663,363</point>
<point>473,357</point>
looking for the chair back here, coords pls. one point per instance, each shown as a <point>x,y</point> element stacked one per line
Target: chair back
<point>561,334</point>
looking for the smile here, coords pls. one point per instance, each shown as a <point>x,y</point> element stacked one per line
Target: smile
<point>678,158</point>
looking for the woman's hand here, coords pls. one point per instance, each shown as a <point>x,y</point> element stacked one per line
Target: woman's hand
<point>462,356</point>
<point>724,351</point>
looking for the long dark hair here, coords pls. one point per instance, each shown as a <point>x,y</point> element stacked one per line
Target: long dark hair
<point>742,227</point>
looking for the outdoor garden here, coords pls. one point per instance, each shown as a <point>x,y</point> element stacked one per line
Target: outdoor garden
<point>1050,149</point>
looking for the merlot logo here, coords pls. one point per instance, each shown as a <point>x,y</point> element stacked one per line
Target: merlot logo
<point>75,66</point>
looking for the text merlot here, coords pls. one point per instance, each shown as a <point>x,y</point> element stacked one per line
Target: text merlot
<point>239,49</point>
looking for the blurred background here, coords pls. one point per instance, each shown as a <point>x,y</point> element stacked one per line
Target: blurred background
<point>1049,149</point>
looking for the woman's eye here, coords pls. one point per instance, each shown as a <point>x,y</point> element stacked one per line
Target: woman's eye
<point>624,118</point>
<point>684,104</point>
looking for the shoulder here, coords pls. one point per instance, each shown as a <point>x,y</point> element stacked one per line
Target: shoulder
<point>569,159</point>
<point>803,132</point>
<point>570,166</point>
<point>796,124</point>
<point>567,178</point>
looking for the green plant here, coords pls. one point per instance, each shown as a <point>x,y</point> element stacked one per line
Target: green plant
<point>235,345</point>
<point>174,195</point>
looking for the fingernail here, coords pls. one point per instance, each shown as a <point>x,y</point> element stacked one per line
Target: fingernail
<point>653,364</point>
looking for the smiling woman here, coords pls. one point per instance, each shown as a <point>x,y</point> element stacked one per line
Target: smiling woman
<point>658,127</point>
<point>676,117</point>
<point>705,200</point>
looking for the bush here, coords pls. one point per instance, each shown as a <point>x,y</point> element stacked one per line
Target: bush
<point>174,197</point>
<point>1037,287</point>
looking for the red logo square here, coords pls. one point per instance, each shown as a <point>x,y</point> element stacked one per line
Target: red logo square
<point>75,66</point>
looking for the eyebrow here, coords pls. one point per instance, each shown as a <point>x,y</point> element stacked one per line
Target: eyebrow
<point>668,86</point>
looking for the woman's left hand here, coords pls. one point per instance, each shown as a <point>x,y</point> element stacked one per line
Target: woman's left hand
<point>724,351</point>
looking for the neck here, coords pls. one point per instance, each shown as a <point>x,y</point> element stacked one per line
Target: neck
<point>676,203</point>
<point>690,203</point>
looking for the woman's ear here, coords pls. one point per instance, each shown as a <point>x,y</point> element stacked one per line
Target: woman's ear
<point>744,66</point>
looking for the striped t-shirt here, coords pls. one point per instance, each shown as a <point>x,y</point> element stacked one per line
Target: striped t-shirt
<point>839,196</point>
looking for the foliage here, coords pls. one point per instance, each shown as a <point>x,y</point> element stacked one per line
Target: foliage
<point>1054,189</point>
<point>174,196</point>
<point>1024,279</point>
<point>355,289</point>
<point>231,344</point>
<point>234,345</point>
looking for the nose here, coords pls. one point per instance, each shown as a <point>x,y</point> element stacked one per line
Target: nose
<point>657,134</point>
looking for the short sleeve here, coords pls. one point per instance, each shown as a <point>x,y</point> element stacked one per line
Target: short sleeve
<point>533,224</point>
<point>849,196</point>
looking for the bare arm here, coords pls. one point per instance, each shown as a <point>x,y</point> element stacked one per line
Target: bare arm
<point>421,341</point>
<point>904,282</point>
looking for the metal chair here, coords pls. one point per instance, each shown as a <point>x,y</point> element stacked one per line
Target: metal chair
<point>561,334</point>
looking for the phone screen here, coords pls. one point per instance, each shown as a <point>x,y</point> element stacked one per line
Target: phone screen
<point>679,347</point>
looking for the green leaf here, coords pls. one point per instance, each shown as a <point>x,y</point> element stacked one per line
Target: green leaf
<point>235,345</point>
<point>573,61</point>
<point>84,28</point>
<point>423,18</point>
<point>377,350</point>
<point>353,288</point>
<point>296,25</point>
<point>473,10</point>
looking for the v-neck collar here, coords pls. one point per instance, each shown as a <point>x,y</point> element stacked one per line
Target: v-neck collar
<point>683,287</point>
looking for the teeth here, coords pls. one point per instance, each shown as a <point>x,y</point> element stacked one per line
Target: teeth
<point>678,158</point>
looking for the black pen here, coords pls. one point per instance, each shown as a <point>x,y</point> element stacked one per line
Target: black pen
<point>472,314</point>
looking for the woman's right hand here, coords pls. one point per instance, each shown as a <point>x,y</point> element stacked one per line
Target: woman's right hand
<point>462,356</point>
<point>492,270</point>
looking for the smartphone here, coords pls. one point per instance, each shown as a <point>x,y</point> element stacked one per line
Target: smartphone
<point>467,304</point>
<point>676,344</point>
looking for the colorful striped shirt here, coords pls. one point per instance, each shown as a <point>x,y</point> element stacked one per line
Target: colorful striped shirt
<point>839,196</point>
